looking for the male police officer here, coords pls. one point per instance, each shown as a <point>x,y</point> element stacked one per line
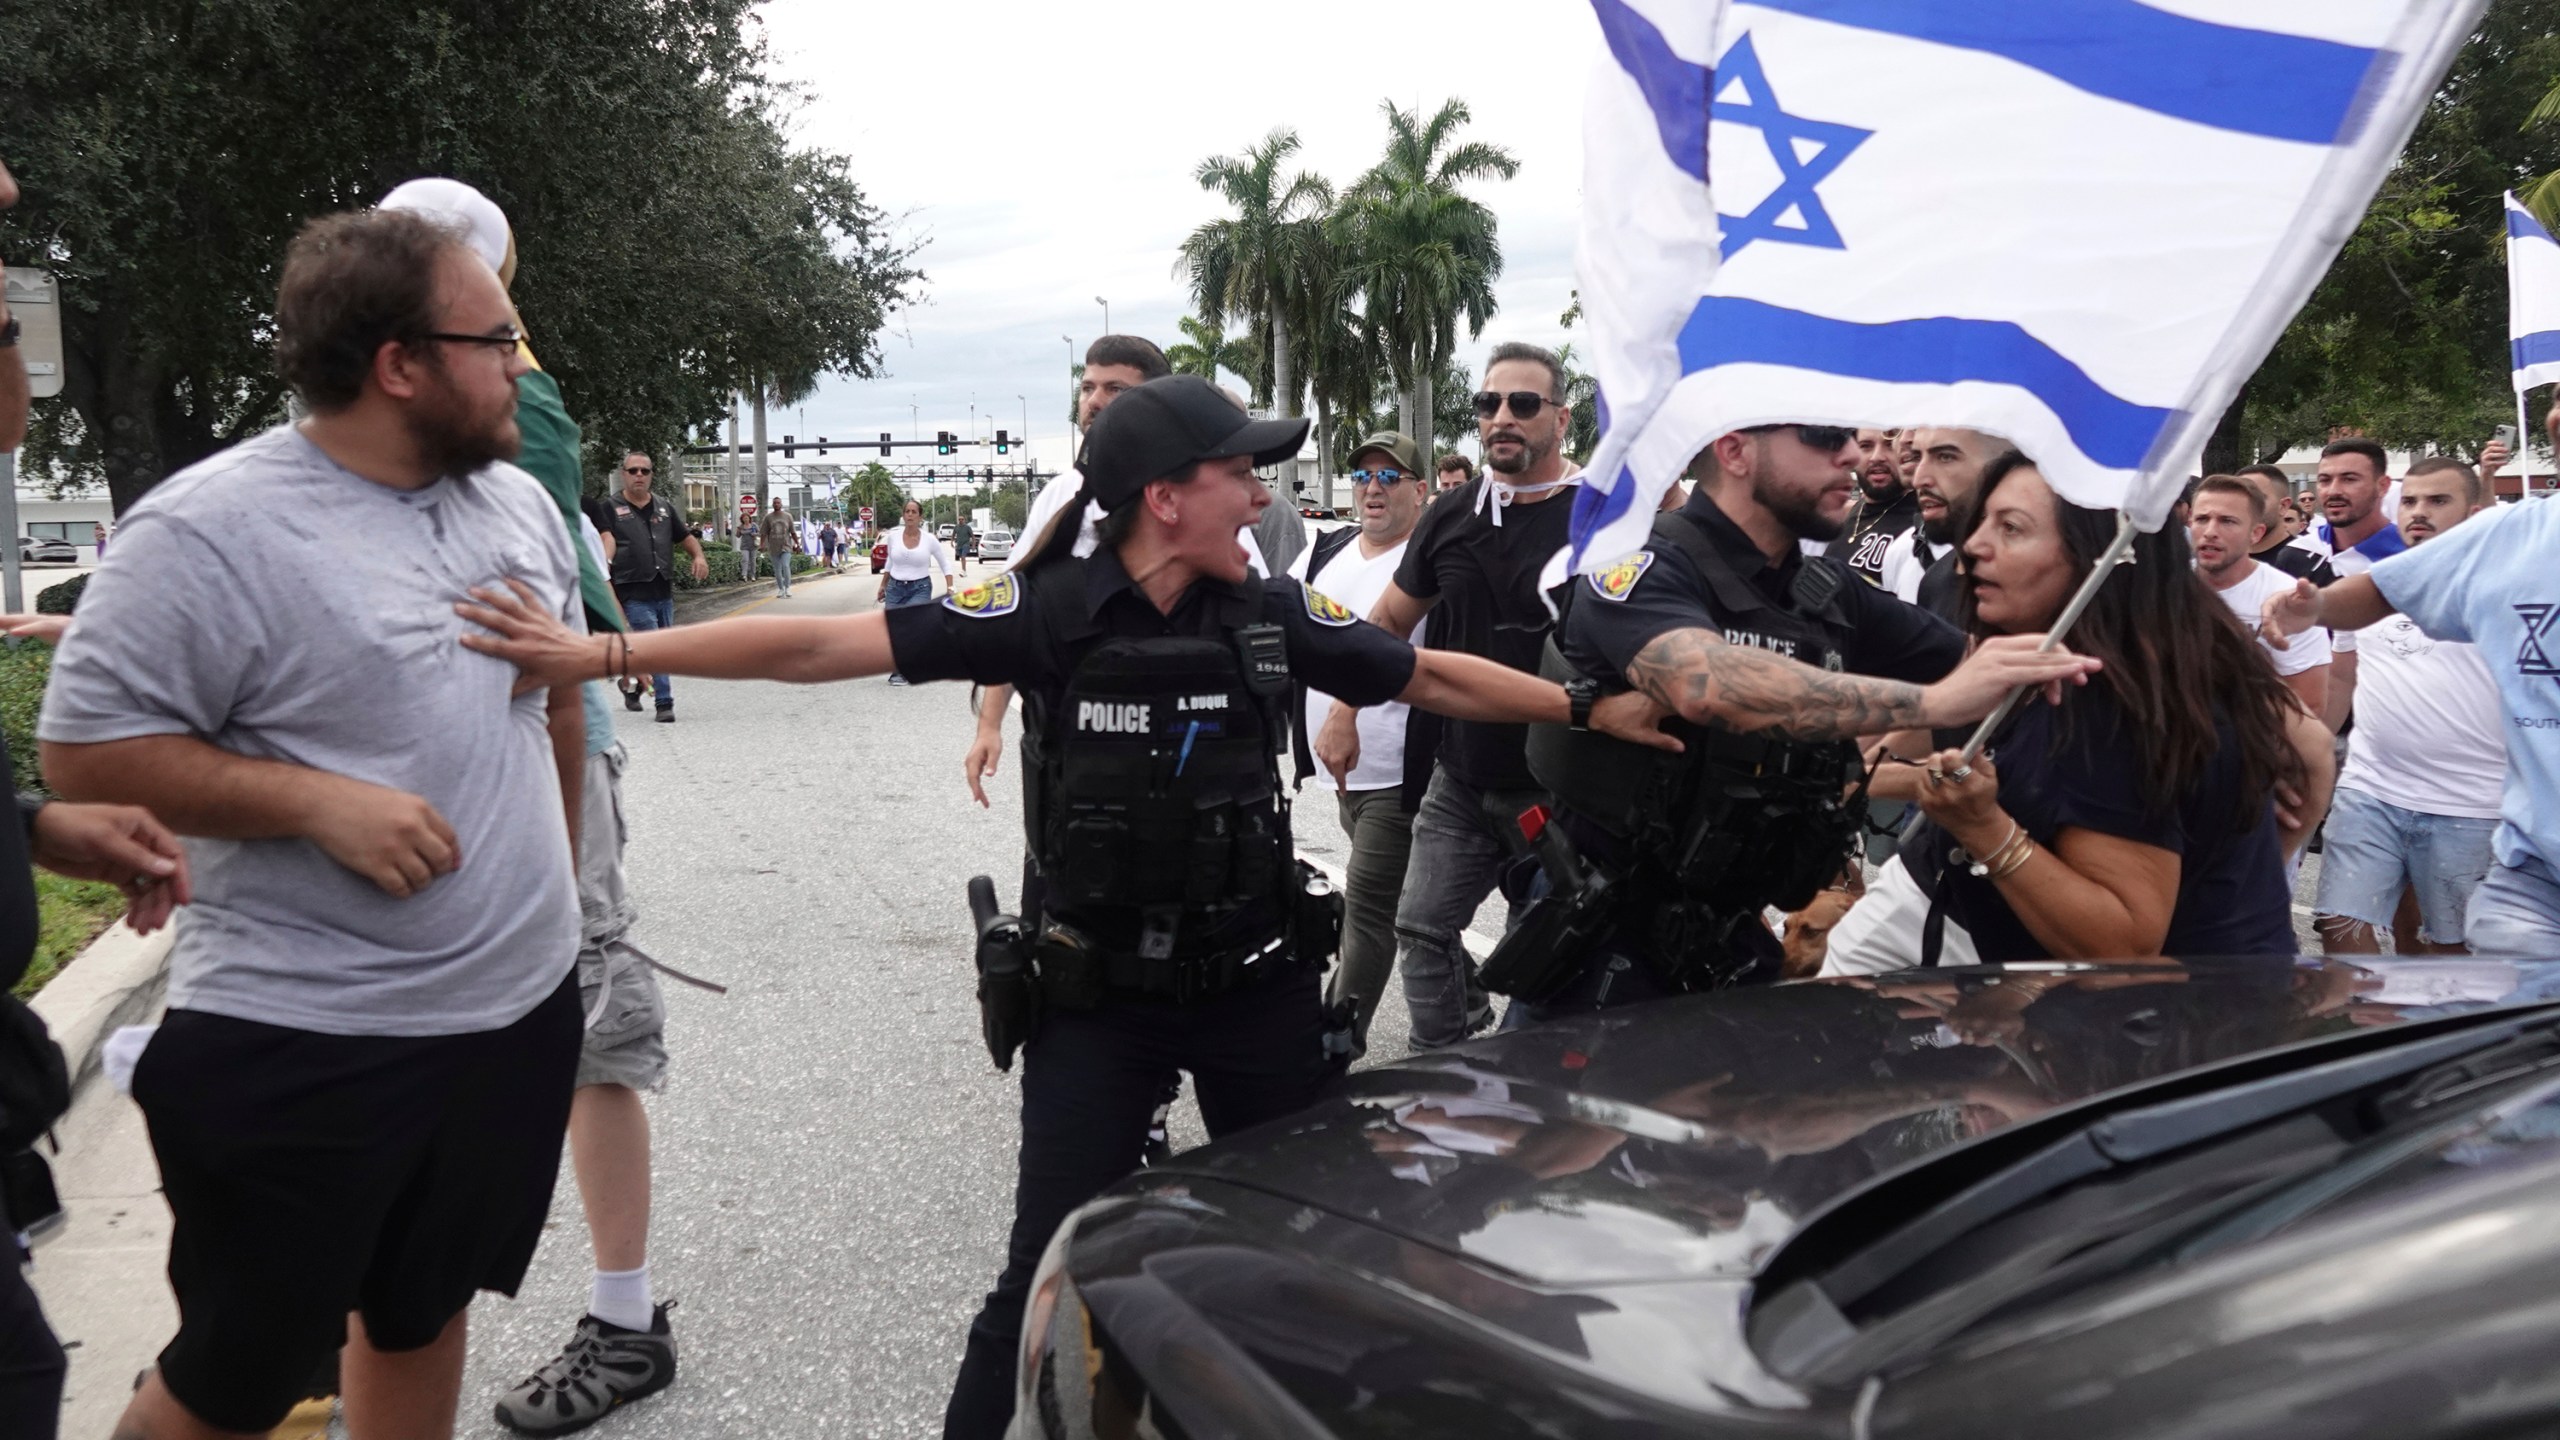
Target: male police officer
<point>1177,934</point>
<point>641,545</point>
<point>1767,655</point>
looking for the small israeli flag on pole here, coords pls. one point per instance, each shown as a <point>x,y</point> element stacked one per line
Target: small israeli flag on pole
<point>2077,224</point>
<point>2533,317</point>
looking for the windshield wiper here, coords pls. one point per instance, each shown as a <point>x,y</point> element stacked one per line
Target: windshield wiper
<point>1837,1305</point>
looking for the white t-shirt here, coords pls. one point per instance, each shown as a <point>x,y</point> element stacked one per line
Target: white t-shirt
<point>1053,497</point>
<point>918,561</point>
<point>1903,568</point>
<point>2429,736</point>
<point>1356,582</point>
<point>2248,600</point>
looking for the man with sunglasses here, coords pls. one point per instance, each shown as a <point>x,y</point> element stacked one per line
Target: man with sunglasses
<point>359,1096</point>
<point>1887,508</point>
<point>641,543</point>
<point>1354,565</point>
<point>1774,662</point>
<point>1472,566</point>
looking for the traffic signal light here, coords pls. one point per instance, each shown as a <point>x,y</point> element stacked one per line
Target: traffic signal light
<point>1004,443</point>
<point>786,446</point>
<point>884,443</point>
<point>822,444</point>
<point>941,442</point>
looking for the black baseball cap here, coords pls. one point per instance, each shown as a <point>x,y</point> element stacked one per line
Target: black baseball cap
<point>1164,425</point>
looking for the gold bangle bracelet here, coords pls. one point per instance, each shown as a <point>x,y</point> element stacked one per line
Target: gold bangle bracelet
<point>2026,852</point>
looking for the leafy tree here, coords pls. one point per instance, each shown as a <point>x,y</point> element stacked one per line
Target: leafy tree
<point>1207,349</point>
<point>673,247</point>
<point>1421,253</point>
<point>1582,392</point>
<point>2405,339</point>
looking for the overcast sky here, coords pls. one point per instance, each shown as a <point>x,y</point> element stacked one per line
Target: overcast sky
<point>1044,155</point>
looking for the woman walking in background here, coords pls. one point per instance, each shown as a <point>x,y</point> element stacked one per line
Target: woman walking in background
<point>914,557</point>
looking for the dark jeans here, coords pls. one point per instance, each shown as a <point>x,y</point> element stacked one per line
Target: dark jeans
<point>1458,856</point>
<point>654,615</point>
<point>31,1360</point>
<point>1091,1081</point>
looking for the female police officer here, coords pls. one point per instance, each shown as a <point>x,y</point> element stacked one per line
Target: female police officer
<point>1155,678</point>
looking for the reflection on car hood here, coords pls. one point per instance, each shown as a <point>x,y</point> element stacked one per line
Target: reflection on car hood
<point>1686,1139</point>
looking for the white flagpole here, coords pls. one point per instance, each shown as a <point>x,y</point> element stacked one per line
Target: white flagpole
<point>2116,550</point>
<point>2524,453</point>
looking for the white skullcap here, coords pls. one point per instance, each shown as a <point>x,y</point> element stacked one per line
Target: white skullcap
<point>484,225</point>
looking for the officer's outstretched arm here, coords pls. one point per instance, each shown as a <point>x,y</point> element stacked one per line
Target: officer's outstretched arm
<point>805,650</point>
<point>1470,687</point>
<point>1698,675</point>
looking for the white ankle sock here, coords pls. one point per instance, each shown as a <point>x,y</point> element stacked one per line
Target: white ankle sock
<point>621,1297</point>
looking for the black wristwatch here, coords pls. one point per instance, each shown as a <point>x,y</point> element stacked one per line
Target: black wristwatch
<point>1584,692</point>
<point>9,333</point>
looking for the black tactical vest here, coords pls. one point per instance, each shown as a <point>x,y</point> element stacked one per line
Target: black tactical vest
<point>1158,789</point>
<point>1735,821</point>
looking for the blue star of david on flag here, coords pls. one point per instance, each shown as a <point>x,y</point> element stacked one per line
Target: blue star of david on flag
<point>1801,173</point>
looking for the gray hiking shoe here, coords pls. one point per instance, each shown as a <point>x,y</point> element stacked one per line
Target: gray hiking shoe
<point>604,1368</point>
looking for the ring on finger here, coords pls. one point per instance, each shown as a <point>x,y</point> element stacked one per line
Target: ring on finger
<point>1962,774</point>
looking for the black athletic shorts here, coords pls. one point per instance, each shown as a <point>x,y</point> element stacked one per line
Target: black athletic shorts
<point>312,1175</point>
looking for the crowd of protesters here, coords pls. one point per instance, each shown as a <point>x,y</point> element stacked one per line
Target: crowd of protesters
<point>373,1054</point>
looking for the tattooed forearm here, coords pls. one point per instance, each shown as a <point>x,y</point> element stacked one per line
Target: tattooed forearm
<point>1746,689</point>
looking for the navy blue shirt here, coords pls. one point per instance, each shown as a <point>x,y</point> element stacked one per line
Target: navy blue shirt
<point>1605,631</point>
<point>2232,896</point>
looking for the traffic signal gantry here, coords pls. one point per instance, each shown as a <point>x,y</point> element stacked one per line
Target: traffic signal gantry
<point>943,442</point>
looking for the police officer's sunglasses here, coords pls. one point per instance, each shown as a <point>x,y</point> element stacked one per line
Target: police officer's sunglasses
<point>1525,404</point>
<point>1383,478</point>
<point>1829,439</point>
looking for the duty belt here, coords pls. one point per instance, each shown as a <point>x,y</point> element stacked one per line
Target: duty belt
<point>1184,979</point>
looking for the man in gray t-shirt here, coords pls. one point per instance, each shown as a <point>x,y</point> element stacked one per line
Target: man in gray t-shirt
<point>358,1096</point>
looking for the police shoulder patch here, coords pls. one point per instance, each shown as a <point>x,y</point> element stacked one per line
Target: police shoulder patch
<point>1615,582</point>
<point>1000,595</point>
<point>1324,609</point>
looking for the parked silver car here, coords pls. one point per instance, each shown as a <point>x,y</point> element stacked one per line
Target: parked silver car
<point>40,550</point>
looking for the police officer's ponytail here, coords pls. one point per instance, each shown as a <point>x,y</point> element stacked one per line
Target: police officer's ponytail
<point>1058,541</point>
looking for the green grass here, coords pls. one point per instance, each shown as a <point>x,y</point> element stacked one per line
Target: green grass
<point>23,668</point>
<point>69,914</point>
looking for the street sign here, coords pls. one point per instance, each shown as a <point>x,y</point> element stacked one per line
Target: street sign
<point>747,505</point>
<point>866,514</point>
<point>36,305</point>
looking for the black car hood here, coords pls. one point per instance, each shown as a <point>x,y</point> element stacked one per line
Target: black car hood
<point>1685,1140</point>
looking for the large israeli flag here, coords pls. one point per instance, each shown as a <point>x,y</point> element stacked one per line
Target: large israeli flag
<point>2533,298</point>
<point>2079,224</point>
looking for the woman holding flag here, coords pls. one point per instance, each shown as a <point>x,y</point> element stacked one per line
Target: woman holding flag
<point>2139,816</point>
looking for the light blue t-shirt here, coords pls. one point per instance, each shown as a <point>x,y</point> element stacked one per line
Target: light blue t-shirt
<point>2494,582</point>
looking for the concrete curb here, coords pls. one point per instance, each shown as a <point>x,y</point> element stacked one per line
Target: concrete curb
<point>119,980</point>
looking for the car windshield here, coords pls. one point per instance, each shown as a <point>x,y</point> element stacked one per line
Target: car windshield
<point>2158,1175</point>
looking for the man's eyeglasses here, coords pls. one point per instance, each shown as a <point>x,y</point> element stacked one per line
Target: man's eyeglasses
<point>506,337</point>
<point>638,470</point>
<point>1383,478</point>
<point>1525,404</point>
<point>1829,439</point>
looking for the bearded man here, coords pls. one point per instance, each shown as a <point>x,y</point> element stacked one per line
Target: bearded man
<point>358,1097</point>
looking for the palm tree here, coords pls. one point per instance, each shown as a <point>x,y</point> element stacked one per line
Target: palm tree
<point>1206,350</point>
<point>2542,194</point>
<point>1422,255</point>
<point>1251,265</point>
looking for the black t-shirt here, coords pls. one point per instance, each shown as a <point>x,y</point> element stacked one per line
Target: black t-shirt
<point>1884,638</point>
<point>18,917</point>
<point>1483,581</point>
<point>1872,530</point>
<point>2232,896</point>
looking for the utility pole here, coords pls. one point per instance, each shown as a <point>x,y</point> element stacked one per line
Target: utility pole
<point>1106,313</point>
<point>1071,380</point>
<point>764,496</point>
<point>729,463</point>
